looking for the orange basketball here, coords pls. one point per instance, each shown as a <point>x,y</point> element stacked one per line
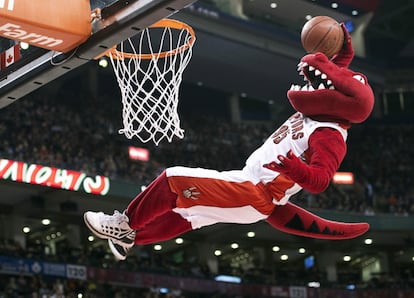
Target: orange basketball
<point>322,34</point>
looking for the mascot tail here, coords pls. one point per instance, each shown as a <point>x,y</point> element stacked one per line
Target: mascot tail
<point>293,219</point>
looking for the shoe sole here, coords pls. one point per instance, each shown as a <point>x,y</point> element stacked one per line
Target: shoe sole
<point>115,252</point>
<point>95,232</point>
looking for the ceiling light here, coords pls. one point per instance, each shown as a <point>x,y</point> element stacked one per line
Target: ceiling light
<point>347,258</point>
<point>275,248</point>
<point>24,45</point>
<point>302,250</point>
<point>228,278</point>
<point>217,252</point>
<point>179,240</point>
<point>368,241</point>
<point>334,5</point>
<point>91,238</point>
<point>45,221</point>
<point>284,257</point>
<point>26,230</point>
<point>103,62</point>
<point>273,5</point>
<point>308,17</point>
<point>251,234</point>
<point>157,247</point>
<point>234,245</point>
<point>314,284</point>
<point>355,12</point>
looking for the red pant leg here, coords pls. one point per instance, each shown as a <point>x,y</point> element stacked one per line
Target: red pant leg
<point>164,227</point>
<point>156,200</point>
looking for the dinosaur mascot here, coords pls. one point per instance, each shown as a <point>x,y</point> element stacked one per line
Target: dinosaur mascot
<point>303,153</point>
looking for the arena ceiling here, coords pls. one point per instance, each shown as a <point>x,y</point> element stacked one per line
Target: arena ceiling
<point>236,55</point>
<point>389,24</point>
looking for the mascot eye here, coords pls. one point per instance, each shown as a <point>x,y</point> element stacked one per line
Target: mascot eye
<point>359,78</point>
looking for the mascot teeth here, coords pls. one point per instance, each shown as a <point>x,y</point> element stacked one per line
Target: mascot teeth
<point>309,87</point>
<point>315,79</point>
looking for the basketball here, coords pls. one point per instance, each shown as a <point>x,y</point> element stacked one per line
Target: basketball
<point>322,34</point>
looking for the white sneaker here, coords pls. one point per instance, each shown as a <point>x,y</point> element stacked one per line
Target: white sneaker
<point>120,248</point>
<point>107,226</point>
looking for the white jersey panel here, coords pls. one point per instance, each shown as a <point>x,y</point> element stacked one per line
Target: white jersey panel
<point>292,135</point>
<point>200,216</point>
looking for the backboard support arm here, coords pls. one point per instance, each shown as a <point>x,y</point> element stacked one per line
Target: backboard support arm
<point>116,26</point>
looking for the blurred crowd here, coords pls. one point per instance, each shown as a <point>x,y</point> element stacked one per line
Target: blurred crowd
<point>29,285</point>
<point>38,286</point>
<point>86,139</point>
<point>74,133</point>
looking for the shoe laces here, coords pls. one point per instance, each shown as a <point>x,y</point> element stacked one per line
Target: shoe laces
<point>116,224</point>
<point>117,218</point>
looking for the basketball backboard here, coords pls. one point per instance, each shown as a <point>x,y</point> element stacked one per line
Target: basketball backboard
<point>120,19</point>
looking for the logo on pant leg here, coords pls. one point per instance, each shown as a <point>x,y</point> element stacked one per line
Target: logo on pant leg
<point>191,193</point>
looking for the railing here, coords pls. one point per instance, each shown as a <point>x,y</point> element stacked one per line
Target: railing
<point>28,267</point>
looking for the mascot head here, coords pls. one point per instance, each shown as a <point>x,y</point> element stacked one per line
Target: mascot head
<point>332,92</point>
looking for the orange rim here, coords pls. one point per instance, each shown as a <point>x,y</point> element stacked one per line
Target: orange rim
<point>164,23</point>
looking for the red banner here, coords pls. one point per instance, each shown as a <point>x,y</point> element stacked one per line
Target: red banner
<point>52,177</point>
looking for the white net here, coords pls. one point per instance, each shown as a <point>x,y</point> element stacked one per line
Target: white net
<point>149,69</point>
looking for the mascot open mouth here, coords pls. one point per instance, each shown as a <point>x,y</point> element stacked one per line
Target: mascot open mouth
<point>314,78</point>
<point>331,90</point>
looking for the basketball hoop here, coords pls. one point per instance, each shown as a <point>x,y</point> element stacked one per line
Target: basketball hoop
<point>149,69</point>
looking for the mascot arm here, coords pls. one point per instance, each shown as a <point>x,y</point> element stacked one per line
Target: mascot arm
<point>345,56</point>
<point>326,151</point>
